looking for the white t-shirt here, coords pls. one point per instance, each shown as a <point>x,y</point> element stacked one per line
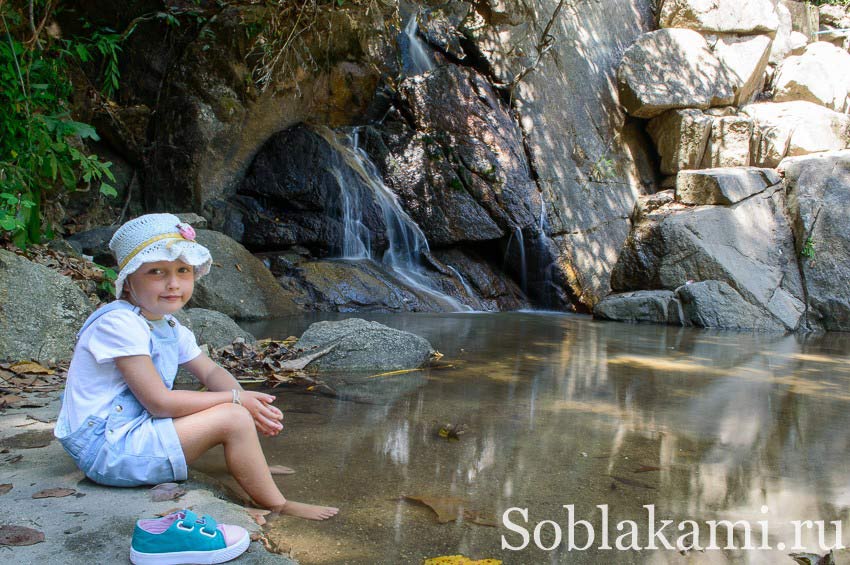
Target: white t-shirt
<point>94,379</point>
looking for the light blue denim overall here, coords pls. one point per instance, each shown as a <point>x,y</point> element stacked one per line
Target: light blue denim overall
<point>129,447</point>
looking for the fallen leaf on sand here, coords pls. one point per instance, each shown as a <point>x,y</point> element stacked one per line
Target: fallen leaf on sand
<point>275,544</point>
<point>258,515</point>
<point>281,470</point>
<point>166,491</point>
<point>256,536</point>
<point>460,560</point>
<point>19,535</point>
<point>449,509</point>
<point>4,488</point>
<point>54,493</point>
<point>30,367</point>
<point>28,440</point>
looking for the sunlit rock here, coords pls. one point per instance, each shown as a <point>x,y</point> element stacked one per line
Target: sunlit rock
<point>729,142</point>
<point>820,75</point>
<point>680,137</point>
<point>787,129</point>
<point>726,16</point>
<point>672,68</point>
<point>819,205</point>
<point>723,186</point>
<point>746,57</point>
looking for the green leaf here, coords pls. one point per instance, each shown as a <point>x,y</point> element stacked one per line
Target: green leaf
<point>83,130</point>
<point>67,176</point>
<point>108,190</point>
<point>9,224</point>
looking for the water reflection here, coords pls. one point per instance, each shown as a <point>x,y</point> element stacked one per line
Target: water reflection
<point>564,410</point>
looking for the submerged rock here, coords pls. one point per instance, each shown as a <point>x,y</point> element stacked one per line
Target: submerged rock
<point>655,306</point>
<point>715,304</point>
<point>41,311</point>
<point>358,345</point>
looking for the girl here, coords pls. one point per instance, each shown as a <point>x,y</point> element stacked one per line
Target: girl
<point>120,419</point>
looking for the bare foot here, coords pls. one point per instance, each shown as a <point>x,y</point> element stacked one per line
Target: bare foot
<point>306,511</point>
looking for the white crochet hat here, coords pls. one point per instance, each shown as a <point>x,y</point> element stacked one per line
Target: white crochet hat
<point>156,237</point>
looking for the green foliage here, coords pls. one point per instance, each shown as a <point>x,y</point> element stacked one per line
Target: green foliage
<point>808,249</point>
<point>107,285</point>
<point>41,148</point>
<point>602,169</point>
<point>831,2</point>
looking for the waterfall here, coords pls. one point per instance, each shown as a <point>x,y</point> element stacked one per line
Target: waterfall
<point>418,59</point>
<point>523,267</point>
<point>407,243</point>
<point>462,280</point>
<point>547,285</point>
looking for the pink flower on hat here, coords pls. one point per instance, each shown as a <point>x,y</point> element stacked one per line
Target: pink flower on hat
<point>187,231</point>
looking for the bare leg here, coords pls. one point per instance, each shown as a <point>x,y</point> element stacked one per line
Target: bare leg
<point>233,426</point>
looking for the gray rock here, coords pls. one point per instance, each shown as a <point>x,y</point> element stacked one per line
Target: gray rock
<point>40,310</point>
<point>359,345</point>
<point>568,107</point>
<point>819,204</point>
<point>729,143</point>
<point>193,219</point>
<point>95,243</point>
<point>715,304</point>
<point>724,16</point>
<point>805,17</point>
<point>672,68</point>
<point>656,306</point>
<point>680,137</point>
<point>748,245</point>
<point>790,129</point>
<point>239,285</point>
<point>725,186</point>
<point>212,328</point>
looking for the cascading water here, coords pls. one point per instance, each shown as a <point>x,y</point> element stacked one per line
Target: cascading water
<point>416,58</point>
<point>407,243</point>
<point>542,246</point>
<point>523,267</point>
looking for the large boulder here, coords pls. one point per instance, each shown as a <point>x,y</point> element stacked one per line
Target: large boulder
<point>40,310</point>
<point>819,75</point>
<point>819,204</point>
<point>715,304</point>
<point>723,186</point>
<point>805,17</point>
<point>673,68</point>
<point>239,285</point>
<point>724,16</point>
<point>788,129</point>
<point>729,142</point>
<point>568,107</point>
<point>358,345</point>
<point>748,245</point>
<point>212,328</point>
<point>680,137</point>
<point>655,306</point>
<point>746,57</point>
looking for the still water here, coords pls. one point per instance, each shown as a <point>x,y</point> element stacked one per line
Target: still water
<point>563,410</point>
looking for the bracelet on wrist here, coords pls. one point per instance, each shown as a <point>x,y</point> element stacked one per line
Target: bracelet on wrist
<point>236,399</point>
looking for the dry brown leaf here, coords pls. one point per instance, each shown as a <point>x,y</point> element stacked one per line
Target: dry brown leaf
<point>256,536</point>
<point>447,508</point>
<point>238,267</point>
<point>281,470</point>
<point>9,399</point>
<point>166,491</point>
<point>30,367</point>
<point>4,488</point>
<point>19,535</point>
<point>58,492</point>
<point>459,560</point>
<point>258,515</point>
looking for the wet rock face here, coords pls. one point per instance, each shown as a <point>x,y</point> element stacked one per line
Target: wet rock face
<point>818,202</point>
<point>294,194</point>
<point>461,169</point>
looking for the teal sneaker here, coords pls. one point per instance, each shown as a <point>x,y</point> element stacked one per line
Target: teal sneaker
<point>182,537</point>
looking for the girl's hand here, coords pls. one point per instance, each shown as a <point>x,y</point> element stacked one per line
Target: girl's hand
<point>267,417</point>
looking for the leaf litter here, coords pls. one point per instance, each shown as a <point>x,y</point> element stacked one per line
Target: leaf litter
<point>166,491</point>
<point>58,492</point>
<point>449,509</point>
<point>19,535</point>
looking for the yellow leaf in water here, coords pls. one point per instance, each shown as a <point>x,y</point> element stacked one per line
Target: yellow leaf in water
<point>460,560</point>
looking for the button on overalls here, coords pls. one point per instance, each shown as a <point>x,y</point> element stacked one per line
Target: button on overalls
<point>129,447</point>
